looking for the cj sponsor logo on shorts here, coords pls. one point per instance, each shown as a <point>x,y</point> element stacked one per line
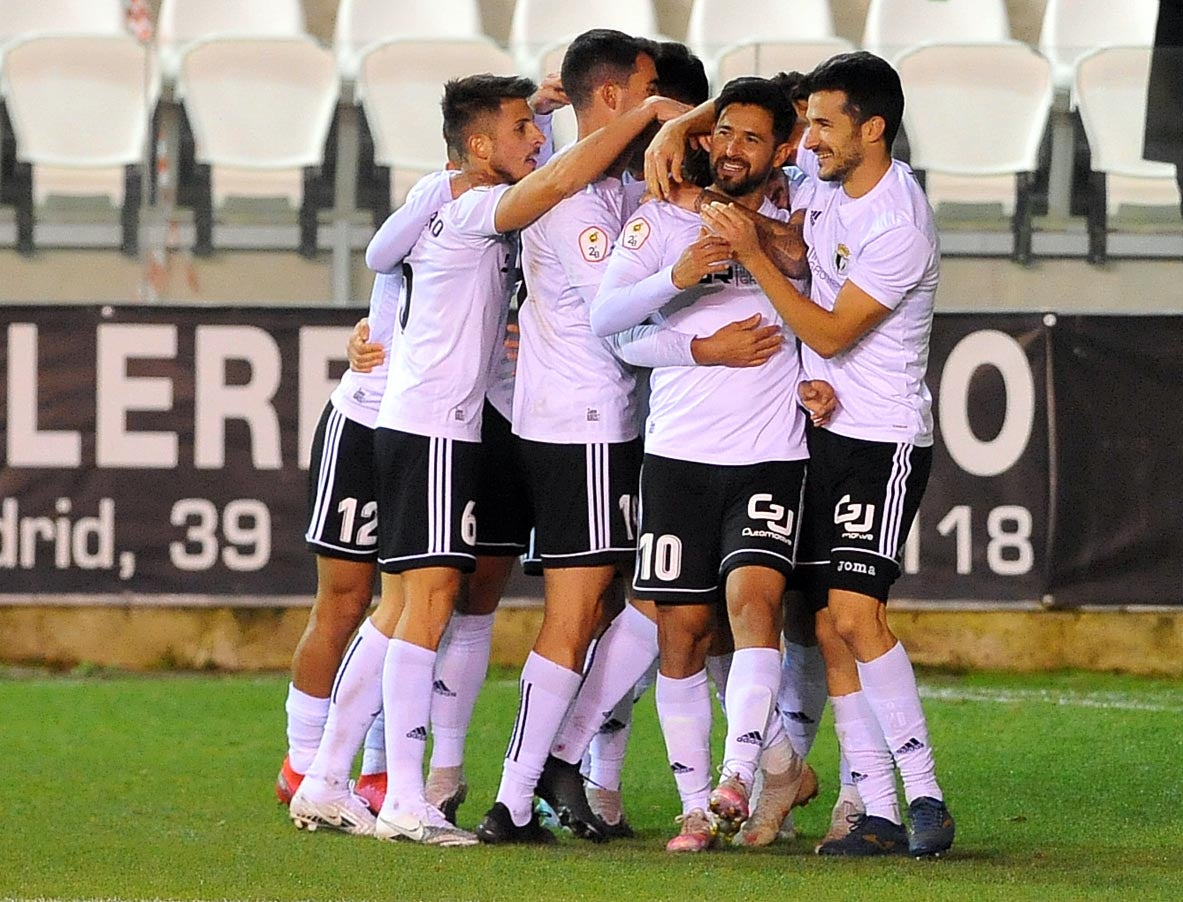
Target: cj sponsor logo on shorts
<point>856,520</point>
<point>778,520</point>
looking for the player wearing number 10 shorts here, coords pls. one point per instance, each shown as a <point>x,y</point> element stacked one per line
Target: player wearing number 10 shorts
<point>722,478</point>
<point>874,259</point>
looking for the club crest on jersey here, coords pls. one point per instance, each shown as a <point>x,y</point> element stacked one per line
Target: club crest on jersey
<point>593,244</point>
<point>842,259</point>
<point>636,233</point>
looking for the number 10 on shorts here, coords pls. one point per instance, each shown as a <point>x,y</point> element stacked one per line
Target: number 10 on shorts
<point>660,557</point>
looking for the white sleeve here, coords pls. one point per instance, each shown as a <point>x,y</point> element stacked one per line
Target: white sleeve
<point>545,124</point>
<point>653,345</point>
<point>635,285</point>
<point>476,212</point>
<point>892,263</point>
<point>395,238</point>
<point>581,233</point>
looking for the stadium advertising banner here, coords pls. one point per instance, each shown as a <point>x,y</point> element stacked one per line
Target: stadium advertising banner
<point>152,452</point>
<point>981,533</point>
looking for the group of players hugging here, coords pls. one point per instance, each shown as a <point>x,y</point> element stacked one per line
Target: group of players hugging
<point>768,268</point>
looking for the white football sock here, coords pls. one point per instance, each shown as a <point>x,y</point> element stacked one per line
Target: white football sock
<point>890,687</point>
<point>621,657</point>
<point>460,669</point>
<point>684,712</point>
<point>719,666</point>
<point>357,696</point>
<point>306,722</point>
<point>752,687</point>
<point>645,683</point>
<point>546,692</point>
<point>406,700</point>
<point>373,756</point>
<point>802,694</point>
<point>864,747</point>
<point>608,746</point>
<point>844,775</point>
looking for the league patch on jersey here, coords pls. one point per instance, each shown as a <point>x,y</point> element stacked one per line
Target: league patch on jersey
<point>593,244</point>
<point>636,233</point>
<point>842,259</point>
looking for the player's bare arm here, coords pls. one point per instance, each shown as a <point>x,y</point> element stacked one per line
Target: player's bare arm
<point>550,96</point>
<point>784,242</point>
<point>542,189</point>
<point>667,151</point>
<point>827,332</point>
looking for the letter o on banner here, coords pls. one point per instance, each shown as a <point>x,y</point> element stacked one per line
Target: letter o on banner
<point>988,347</point>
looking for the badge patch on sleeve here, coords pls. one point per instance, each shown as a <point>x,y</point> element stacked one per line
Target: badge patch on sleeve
<point>636,233</point>
<point>593,244</point>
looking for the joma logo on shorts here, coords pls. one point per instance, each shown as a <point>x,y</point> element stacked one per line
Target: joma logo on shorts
<point>855,567</point>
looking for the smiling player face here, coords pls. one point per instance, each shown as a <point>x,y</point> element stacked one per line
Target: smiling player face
<point>743,149</point>
<point>834,136</point>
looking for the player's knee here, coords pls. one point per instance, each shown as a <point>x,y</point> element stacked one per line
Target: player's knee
<point>755,619</point>
<point>853,625</point>
<point>340,607</point>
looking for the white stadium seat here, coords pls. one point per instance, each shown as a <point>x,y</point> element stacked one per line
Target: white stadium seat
<point>260,110</point>
<point>1072,28</point>
<point>361,23</point>
<point>715,24</point>
<point>1110,94</point>
<point>767,58</point>
<point>23,18</point>
<point>538,24</point>
<point>80,108</point>
<point>975,117</point>
<point>401,85</point>
<point>183,21</point>
<point>895,25</point>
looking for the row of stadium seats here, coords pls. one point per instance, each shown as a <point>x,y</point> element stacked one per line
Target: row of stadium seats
<point>1070,28</point>
<point>257,113</point>
<point>260,113</point>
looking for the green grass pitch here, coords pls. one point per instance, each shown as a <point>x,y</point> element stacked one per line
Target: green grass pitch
<point>1064,786</point>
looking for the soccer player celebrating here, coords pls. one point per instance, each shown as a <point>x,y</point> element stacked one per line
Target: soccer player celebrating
<point>875,262</point>
<point>575,411</point>
<point>342,532</point>
<point>738,465</point>
<point>459,276</point>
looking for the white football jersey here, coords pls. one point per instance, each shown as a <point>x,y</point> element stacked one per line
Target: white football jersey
<point>571,388</point>
<point>359,395</point>
<point>450,323</point>
<point>707,414</point>
<point>886,243</point>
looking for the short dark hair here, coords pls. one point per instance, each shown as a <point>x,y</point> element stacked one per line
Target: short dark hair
<point>754,91</point>
<point>466,100</point>
<point>872,88</point>
<point>681,75</point>
<point>599,56</point>
<point>795,84</point>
